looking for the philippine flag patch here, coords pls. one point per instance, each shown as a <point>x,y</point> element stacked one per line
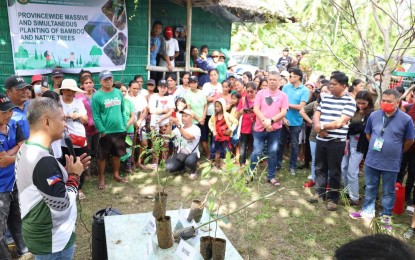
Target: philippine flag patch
<point>52,180</point>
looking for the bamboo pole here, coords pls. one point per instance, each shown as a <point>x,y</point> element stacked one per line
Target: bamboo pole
<point>149,36</point>
<point>175,69</point>
<point>188,34</point>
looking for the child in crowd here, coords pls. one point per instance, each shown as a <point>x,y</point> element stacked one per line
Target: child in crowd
<point>226,93</point>
<point>161,108</point>
<point>129,114</point>
<point>222,126</point>
<point>181,105</point>
<point>245,109</point>
<point>235,99</point>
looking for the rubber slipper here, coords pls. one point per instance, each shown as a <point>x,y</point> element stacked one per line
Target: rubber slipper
<point>274,182</point>
<point>120,180</point>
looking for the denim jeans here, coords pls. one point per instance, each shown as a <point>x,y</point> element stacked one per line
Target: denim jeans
<point>350,168</point>
<point>313,145</point>
<point>372,180</point>
<point>329,156</point>
<point>271,138</point>
<point>10,218</point>
<point>293,133</point>
<point>66,254</point>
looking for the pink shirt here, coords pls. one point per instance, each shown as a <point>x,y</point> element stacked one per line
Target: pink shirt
<point>247,118</point>
<point>279,102</point>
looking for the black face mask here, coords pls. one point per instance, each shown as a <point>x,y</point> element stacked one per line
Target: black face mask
<point>269,100</point>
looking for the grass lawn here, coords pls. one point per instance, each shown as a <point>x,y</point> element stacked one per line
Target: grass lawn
<point>285,226</point>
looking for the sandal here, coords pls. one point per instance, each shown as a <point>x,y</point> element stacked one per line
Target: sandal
<point>274,182</point>
<point>81,195</point>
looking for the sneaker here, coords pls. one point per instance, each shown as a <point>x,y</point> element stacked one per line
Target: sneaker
<point>360,215</point>
<point>409,233</point>
<point>315,199</point>
<point>331,206</point>
<point>309,184</point>
<point>292,172</point>
<point>386,223</point>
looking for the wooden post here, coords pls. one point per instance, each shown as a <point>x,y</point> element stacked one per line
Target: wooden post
<point>149,36</point>
<point>189,34</point>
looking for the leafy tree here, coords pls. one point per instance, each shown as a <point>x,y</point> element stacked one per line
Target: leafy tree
<point>95,54</point>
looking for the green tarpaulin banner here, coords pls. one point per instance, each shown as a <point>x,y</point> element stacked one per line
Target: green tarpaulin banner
<point>72,35</point>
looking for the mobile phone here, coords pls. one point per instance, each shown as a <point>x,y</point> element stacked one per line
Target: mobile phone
<point>45,81</point>
<point>173,114</point>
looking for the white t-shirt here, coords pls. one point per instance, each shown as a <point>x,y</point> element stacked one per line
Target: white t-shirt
<point>74,127</point>
<point>172,46</point>
<point>143,92</point>
<point>140,103</point>
<point>211,90</point>
<point>157,102</point>
<point>187,146</point>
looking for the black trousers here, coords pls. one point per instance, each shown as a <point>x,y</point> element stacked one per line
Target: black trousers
<point>329,155</point>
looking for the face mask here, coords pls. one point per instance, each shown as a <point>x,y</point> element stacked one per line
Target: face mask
<point>387,107</point>
<point>37,88</point>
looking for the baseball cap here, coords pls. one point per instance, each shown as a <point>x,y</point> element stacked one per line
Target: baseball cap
<point>162,82</point>
<point>193,78</point>
<point>37,77</point>
<point>105,74</point>
<point>5,103</point>
<point>168,32</point>
<point>151,82</point>
<point>57,73</point>
<point>16,82</point>
<point>285,74</point>
<point>70,84</point>
<point>188,112</point>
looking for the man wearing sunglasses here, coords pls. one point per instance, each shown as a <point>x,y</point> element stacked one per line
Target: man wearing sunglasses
<point>298,96</point>
<point>270,107</point>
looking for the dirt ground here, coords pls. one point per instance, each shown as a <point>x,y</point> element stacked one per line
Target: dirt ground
<point>285,226</point>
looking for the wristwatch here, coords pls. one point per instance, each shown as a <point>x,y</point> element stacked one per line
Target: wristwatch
<point>272,121</point>
<point>322,126</point>
<point>179,126</point>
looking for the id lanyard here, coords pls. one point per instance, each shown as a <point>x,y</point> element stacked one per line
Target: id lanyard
<point>385,124</point>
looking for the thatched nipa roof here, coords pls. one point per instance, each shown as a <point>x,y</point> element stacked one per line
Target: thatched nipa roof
<point>244,10</point>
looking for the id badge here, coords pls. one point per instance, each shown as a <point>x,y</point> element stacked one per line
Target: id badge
<point>377,146</point>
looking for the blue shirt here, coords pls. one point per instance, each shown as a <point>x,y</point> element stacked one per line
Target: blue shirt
<point>295,96</point>
<point>399,129</point>
<point>20,117</point>
<point>160,44</point>
<point>7,142</point>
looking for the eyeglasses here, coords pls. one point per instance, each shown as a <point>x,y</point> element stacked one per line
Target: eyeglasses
<point>215,56</point>
<point>140,81</point>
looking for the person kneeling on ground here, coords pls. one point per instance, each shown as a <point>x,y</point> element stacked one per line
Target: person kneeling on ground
<point>187,142</point>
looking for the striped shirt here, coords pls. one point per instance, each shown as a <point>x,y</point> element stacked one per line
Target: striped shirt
<point>332,109</point>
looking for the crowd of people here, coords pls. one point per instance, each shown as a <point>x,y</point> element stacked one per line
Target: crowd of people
<point>328,123</point>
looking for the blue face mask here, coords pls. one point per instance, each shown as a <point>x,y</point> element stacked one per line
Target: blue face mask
<point>38,89</point>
